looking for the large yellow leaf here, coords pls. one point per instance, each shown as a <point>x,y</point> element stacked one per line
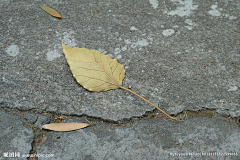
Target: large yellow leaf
<point>94,70</point>
<point>51,11</point>
<point>97,72</point>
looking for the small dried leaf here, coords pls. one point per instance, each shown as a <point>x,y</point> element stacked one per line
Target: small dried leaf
<point>51,11</point>
<point>63,127</point>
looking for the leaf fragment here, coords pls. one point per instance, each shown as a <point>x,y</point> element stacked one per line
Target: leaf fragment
<point>64,127</point>
<point>51,11</point>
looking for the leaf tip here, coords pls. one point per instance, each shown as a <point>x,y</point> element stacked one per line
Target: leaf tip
<point>64,46</point>
<point>44,126</point>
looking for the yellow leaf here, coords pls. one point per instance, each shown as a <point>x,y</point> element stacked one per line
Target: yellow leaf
<point>94,70</point>
<point>97,72</point>
<point>51,11</point>
<point>63,127</point>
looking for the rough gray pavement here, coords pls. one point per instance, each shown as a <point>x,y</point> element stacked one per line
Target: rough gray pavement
<point>182,55</point>
<point>16,135</point>
<point>147,139</point>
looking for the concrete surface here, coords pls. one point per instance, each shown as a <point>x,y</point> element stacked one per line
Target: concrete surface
<point>180,55</point>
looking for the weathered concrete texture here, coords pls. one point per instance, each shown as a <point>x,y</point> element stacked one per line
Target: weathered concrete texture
<point>147,139</point>
<point>182,55</point>
<point>15,136</point>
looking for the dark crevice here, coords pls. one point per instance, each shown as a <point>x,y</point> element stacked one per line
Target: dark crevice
<point>183,115</point>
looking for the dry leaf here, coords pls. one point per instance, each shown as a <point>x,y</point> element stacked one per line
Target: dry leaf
<point>51,11</point>
<point>94,70</point>
<point>63,127</point>
<point>97,72</point>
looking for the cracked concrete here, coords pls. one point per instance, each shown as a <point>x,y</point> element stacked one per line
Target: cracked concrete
<point>180,55</point>
<point>16,135</point>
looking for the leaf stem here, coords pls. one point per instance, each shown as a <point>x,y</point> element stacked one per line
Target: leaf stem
<point>174,118</point>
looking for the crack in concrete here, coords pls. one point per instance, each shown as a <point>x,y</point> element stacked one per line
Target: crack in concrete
<point>40,134</point>
<point>206,112</point>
